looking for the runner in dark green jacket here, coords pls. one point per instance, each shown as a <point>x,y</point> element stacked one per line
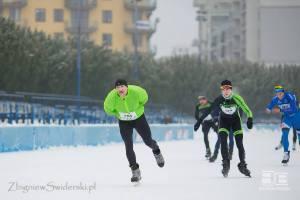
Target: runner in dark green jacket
<point>210,122</point>
<point>230,120</point>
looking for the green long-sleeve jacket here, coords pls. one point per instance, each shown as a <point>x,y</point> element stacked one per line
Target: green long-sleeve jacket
<point>130,107</point>
<point>229,107</point>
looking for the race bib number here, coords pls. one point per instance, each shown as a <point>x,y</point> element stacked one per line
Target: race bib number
<point>284,106</point>
<point>228,110</point>
<point>128,116</point>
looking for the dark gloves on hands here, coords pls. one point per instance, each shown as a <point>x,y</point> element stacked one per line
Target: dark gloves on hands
<point>250,123</point>
<point>197,125</point>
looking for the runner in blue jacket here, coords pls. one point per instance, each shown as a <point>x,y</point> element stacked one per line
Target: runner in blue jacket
<point>287,104</point>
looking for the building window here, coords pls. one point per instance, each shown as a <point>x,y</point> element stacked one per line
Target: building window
<point>107,16</point>
<point>214,41</point>
<point>14,14</point>
<point>213,56</point>
<point>223,37</point>
<point>107,39</point>
<point>223,51</point>
<point>59,35</point>
<point>40,15</point>
<point>58,15</point>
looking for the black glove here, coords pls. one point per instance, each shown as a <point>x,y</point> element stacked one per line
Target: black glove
<point>197,125</point>
<point>250,123</point>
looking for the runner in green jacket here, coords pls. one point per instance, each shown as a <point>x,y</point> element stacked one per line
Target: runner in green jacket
<point>129,107</point>
<point>126,102</point>
<point>230,120</point>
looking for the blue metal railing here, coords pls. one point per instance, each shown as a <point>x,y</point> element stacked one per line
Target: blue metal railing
<point>33,108</point>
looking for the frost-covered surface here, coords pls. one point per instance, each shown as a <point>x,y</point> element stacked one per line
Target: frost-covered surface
<point>186,176</point>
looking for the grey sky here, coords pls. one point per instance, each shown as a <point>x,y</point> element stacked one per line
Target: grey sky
<point>177,27</point>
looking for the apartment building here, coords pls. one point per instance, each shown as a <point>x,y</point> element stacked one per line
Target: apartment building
<point>116,24</point>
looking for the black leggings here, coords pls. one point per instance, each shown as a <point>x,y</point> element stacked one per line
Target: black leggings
<point>142,127</point>
<point>239,144</point>
<point>233,124</point>
<point>206,126</point>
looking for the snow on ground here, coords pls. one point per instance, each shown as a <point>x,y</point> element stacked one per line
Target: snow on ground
<point>186,176</point>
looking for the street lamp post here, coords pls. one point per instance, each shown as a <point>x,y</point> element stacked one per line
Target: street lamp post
<point>201,18</point>
<point>135,42</point>
<point>78,61</point>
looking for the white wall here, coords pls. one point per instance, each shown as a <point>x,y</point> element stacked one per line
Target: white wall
<point>280,34</point>
<point>252,31</point>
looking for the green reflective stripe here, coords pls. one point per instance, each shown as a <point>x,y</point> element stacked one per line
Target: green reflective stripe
<point>224,130</point>
<point>238,132</point>
<point>204,106</point>
<point>241,103</point>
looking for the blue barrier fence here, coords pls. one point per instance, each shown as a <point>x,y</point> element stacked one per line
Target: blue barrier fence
<point>31,137</point>
<point>12,112</point>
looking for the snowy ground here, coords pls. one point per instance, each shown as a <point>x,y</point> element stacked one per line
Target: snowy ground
<point>186,176</point>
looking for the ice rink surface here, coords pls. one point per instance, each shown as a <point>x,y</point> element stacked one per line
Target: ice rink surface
<point>57,173</point>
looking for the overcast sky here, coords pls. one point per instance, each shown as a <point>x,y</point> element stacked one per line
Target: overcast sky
<point>177,27</point>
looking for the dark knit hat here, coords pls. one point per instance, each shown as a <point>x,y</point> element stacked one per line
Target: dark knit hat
<point>226,84</point>
<point>120,82</point>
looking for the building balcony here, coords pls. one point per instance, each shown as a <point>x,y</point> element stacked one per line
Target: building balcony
<point>198,3</point>
<point>141,27</point>
<point>83,28</point>
<point>201,3</point>
<point>149,5</point>
<point>19,22</point>
<point>14,3</point>
<point>152,50</point>
<point>80,4</point>
<point>22,22</point>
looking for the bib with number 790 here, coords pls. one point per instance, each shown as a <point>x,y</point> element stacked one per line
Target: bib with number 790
<point>127,116</point>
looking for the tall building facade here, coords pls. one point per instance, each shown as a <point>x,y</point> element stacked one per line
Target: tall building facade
<point>261,31</point>
<point>116,24</point>
<point>272,31</point>
<point>221,34</point>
